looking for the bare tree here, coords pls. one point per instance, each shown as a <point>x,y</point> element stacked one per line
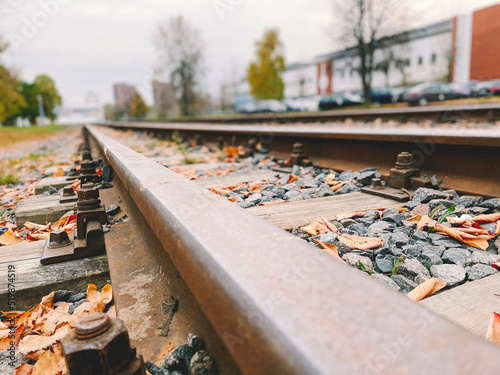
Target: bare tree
<point>363,26</point>
<point>181,53</point>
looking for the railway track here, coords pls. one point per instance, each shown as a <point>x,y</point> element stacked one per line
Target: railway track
<point>260,298</point>
<point>263,300</point>
<point>464,158</point>
<point>487,112</point>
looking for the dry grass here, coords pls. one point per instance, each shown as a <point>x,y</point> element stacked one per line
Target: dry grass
<point>10,135</point>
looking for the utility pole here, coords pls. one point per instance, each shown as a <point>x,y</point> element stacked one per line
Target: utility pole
<point>40,109</point>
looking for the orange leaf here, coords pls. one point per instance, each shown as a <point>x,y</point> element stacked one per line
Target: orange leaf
<point>493,333</point>
<point>60,223</point>
<point>18,333</point>
<point>330,179</point>
<point>330,226</point>
<point>315,228</point>
<point>497,230</point>
<point>9,238</point>
<point>292,178</point>
<point>330,250</point>
<point>351,214</point>
<point>50,363</point>
<point>426,289</point>
<point>23,369</point>
<point>360,243</point>
<point>491,218</point>
<point>58,173</point>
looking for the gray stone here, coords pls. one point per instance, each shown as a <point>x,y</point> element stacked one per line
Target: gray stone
<point>421,278</point>
<point>320,179</point>
<point>425,195</point>
<point>420,209</point>
<point>491,203</point>
<point>3,230</point>
<point>436,181</point>
<point>296,170</point>
<point>290,186</point>
<point>246,204</point>
<point>449,273</point>
<point>353,260</point>
<point>497,243</point>
<point>397,218</point>
<point>380,226</point>
<point>435,203</point>
<point>410,224</point>
<point>112,209</point>
<point>482,257</point>
<point>348,175</point>
<point>280,192</point>
<point>490,227</point>
<point>476,211</point>
<point>107,173</point>
<point>414,250</point>
<point>324,191</point>
<point>359,228</point>
<point>254,198</point>
<point>455,256</point>
<point>452,194</point>
<point>384,263</point>
<point>429,257</point>
<point>398,239</point>
<point>469,200</point>
<point>411,268</point>
<point>389,211</point>
<point>367,219</point>
<point>365,177</point>
<point>346,223</point>
<point>291,194</point>
<point>387,281</point>
<point>438,249</point>
<point>478,271</point>
<point>419,235</point>
<point>404,283</point>
<point>8,363</point>
<point>328,237</point>
<point>348,188</point>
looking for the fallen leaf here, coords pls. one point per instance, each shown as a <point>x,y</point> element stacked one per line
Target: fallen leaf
<point>9,238</point>
<point>493,333</point>
<point>105,295</point>
<point>38,236</point>
<point>34,343</point>
<point>272,203</point>
<point>360,243</point>
<point>60,223</point>
<point>292,178</point>
<point>18,333</point>
<point>50,363</point>
<point>330,179</point>
<point>330,226</point>
<point>54,320</point>
<point>351,214</point>
<point>23,369</point>
<point>58,173</point>
<point>318,227</point>
<point>491,218</point>
<point>497,230</point>
<point>32,226</point>
<point>330,250</point>
<point>426,289</point>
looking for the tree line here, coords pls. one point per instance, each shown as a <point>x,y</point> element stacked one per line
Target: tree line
<point>20,99</point>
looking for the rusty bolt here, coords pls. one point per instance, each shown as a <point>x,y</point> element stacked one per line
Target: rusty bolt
<point>377,183</point>
<point>73,172</point>
<point>88,192</point>
<point>298,148</point>
<point>100,345</point>
<point>58,238</point>
<point>68,191</point>
<point>86,155</point>
<point>87,165</point>
<point>405,161</point>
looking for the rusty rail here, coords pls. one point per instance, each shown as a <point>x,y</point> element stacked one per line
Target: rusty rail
<point>472,112</point>
<point>279,305</point>
<point>467,160</point>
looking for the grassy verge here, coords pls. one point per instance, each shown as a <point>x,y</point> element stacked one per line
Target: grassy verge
<point>11,134</point>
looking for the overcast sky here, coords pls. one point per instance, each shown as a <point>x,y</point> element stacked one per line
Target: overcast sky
<point>87,45</point>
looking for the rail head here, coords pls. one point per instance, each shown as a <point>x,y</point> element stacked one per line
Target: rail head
<point>280,305</point>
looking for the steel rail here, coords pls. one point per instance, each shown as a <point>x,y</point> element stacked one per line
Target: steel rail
<point>279,305</point>
<point>481,112</point>
<point>466,159</point>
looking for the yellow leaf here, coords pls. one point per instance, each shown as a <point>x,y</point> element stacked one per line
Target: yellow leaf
<point>9,238</point>
<point>426,289</point>
<point>58,173</point>
<point>318,227</point>
<point>360,243</point>
<point>329,249</point>
<point>493,333</point>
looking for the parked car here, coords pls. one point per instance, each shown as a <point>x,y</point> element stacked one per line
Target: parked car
<point>382,96</point>
<point>271,106</point>
<point>487,88</point>
<point>424,93</point>
<point>340,100</point>
<point>247,108</point>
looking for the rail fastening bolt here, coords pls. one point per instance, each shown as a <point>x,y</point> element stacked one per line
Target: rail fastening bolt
<point>58,238</point>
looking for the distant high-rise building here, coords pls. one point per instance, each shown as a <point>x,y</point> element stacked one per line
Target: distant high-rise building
<point>164,99</point>
<point>123,94</point>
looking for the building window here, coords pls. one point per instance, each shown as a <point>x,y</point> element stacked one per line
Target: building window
<point>434,58</point>
<point>420,60</point>
<point>407,62</point>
